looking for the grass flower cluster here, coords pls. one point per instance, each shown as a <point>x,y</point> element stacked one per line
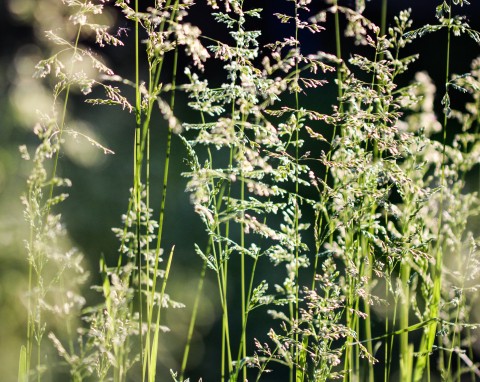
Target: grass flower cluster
<point>346,229</point>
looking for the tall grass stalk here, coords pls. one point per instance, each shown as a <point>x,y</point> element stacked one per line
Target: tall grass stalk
<point>428,339</point>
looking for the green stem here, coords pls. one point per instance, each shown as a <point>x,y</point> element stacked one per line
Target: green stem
<point>193,319</point>
<point>297,375</point>
<point>137,179</point>
<point>428,339</point>
<point>383,22</point>
<point>338,47</point>
<point>243,341</point>
<point>242,347</point>
<point>150,302</point>
<point>350,317</point>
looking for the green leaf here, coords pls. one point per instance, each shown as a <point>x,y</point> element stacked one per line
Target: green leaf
<point>302,360</point>
<point>106,285</point>
<point>152,370</point>
<point>22,365</point>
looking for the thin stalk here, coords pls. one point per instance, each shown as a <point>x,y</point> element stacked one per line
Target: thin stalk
<point>389,345</point>
<point>428,339</point>
<point>406,351</point>
<point>224,329</point>
<point>366,268</point>
<point>456,337</point>
<point>226,356</point>
<point>243,342</point>
<point>406,348</point>
<point>30,317</point>
<point>221,273</point>
<point>338,47</point>
<point>138,250</point>
<point>226,347</point>
<point>152,369</point>
<point>166,168</point>
<point>356,325</point>
<point>224,268</point>
<point>161,216</point>
<point>150,302</point>
<point>243,338</point>
<point>350,317</point>
<point>411,328</point>
<point>137,178</point>
<point>211,246</point>
<point>368,323</point>
<point>383,22</point>
<point>193,319</point>
<point>297,214</point>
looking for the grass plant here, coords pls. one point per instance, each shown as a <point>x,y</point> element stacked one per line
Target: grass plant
<point>336,227</point>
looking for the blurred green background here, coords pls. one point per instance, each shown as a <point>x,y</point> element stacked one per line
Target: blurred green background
<point>99,194</point>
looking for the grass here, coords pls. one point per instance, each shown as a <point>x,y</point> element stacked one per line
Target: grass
<point>334,227</point>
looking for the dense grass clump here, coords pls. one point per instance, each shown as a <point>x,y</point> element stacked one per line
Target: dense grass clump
<point>339,231</point>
